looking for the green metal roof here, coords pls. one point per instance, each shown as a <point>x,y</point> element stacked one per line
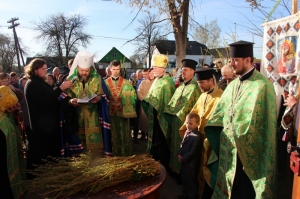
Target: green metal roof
<point>114,54</point>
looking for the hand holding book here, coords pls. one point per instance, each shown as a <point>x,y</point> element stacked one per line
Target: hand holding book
<point>87,100</point>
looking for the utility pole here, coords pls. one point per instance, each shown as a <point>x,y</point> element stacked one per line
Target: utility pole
<point>294,6</point>
<point>17,44</point>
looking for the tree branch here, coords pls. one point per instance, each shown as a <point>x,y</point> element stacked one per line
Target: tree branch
<point>144,30</point>
<point>140,8</point>
<point>198,24</point>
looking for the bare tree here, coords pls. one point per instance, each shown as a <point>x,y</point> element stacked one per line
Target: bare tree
<point>63,35</point>
<point>137,59</point>
<point>283,8</point>
<point>148,33</point>
<point>263,13</point>
<point>178,15</point>
<point>209,34</point>
<point>8,52</point>
<point>254,3</point>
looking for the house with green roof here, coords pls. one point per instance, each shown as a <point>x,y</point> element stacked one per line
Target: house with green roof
<point>114,54</point>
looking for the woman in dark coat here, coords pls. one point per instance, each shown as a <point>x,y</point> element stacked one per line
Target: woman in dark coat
<point>43,108</point>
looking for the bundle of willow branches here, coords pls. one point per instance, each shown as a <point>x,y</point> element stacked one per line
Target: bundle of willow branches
<point>62,178</point>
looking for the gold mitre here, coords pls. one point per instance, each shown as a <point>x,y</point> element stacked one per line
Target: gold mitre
<point>7,98</point>
<point>160,60</point>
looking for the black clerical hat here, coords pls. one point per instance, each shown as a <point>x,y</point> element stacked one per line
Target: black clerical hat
<point>204,74</point>
<point>241,49</point>
<point>189,63</point>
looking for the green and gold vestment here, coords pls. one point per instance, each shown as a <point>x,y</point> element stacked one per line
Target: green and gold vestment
<point>122,97</point>
<point>244,124</point>
<point>88,119</point>
<point>158,98</point>
<point>184,98</point>
<point>13,167</point>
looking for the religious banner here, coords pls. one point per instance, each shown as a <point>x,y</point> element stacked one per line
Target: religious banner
<point>281,53</point>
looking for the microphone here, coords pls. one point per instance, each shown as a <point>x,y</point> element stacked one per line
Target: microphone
<point>74,79</point>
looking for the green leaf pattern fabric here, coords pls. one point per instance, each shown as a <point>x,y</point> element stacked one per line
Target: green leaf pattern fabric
<point>179,106</point>
<point>158,98</point>
<point>88,120</point>
<point>250,133</point>
<point>13,167</point>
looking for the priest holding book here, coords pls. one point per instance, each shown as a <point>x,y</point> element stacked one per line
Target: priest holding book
<point>86,88</point>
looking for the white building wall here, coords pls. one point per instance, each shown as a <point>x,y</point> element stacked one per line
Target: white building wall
<point>127,64</point>
<point>207,59</point>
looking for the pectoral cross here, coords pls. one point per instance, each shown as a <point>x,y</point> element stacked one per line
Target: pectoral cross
<point>84,95</point>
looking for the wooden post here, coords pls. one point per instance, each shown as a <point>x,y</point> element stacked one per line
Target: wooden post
<point>294,6</point>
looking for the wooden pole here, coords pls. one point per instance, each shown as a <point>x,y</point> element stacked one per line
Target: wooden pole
<point>294,6</point>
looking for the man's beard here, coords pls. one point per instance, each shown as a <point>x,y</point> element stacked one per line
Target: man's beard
<point>82,79</point>
<point>241,72</point>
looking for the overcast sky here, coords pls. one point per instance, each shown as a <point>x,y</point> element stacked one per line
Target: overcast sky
<point>108,21</point>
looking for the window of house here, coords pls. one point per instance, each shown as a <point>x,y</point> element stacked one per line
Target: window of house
<point>114,54</point>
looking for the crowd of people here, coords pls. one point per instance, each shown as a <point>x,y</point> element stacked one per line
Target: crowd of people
<point>214,130</point>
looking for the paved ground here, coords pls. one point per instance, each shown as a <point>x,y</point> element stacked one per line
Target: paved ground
<point>169,190</point>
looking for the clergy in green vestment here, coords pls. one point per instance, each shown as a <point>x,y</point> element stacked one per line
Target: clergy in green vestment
<point>10,172</point>
<point>86,83</point>
<point>181,103</point>
<point>154,105</point>
<point>242,133</point>
<point>122,98</point>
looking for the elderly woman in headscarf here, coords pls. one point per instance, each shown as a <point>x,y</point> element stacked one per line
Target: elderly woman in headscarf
<point>10,169</point>
<point>133,80</point>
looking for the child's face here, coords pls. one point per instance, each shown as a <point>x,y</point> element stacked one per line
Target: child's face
<point>49,80</point>
<point>191,124</point>
<point>24,82</point>
<point>4,82</point>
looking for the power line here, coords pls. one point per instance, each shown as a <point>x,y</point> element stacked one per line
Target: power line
<point>25,27</point>
<point>110,37</point>
<point>105,37</point>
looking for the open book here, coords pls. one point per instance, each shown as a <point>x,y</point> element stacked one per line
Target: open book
<point>86,100</point>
